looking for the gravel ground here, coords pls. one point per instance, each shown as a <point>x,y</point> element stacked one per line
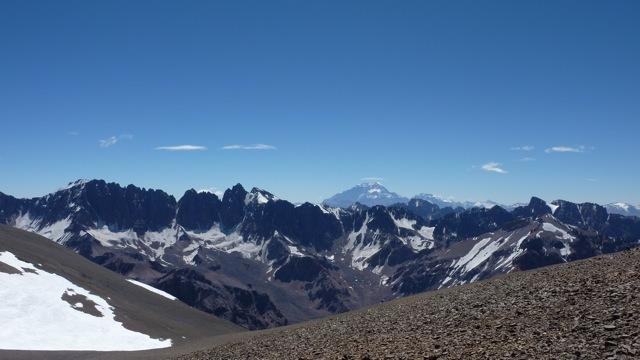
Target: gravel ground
<point>581,310</point>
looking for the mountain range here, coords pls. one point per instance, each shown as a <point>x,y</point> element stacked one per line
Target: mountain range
<point>374,193</point>
<point>260,261</point>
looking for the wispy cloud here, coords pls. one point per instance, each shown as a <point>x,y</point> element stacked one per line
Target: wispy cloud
<point>249,147</point>
<point>592,180</point>
<point>565,149</point>
<point>108,141</point>
<point>73,133</point>
<point>182,148</point>
<point>523,148</point>
<point>527,159</point>
<point>371,178</point>
<point>112,140</point>
<point>493,167</point>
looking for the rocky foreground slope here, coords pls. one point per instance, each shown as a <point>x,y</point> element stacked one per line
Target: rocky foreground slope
<point>588,309</point>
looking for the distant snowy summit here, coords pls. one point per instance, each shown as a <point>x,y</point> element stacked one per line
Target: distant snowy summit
<point>374,193</point>
<point>369,194</point>
<point>623,209</point>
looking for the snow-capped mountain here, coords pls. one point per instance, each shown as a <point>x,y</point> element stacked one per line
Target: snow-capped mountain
<point>623,209</point>
<point>443,202</point>
<point>369,194</point>
<point>261,261</point>
<point>447,202</point>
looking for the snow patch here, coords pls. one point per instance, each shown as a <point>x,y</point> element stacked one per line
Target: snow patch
<point>404,223</point>
<point>360,252</point>
<point>554,229</point>
<point>426,232</point>
<point>35,317</point>
<point>294,251</point>
<point>55,231</point>
<point>478,254</point>
<point>152,289</point>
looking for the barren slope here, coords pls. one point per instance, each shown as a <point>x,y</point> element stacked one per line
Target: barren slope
<point>584,309</point>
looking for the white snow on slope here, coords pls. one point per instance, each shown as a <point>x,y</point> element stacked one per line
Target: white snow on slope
<point>426,232</point>
<point>55,231</point>
<point>34,316</point>
<point>478,254</point>
<point>215,239</point>
<point>418,243</point>
<point>623,206</point>
<point>153,243</point>
<point>152,289</point>
<point>553,207</point>
<point>554,229</point>
<point>294,251</point>
<point>360,252</point>
<point>515,252</point>
<point>404,223</point>
<point>257,197</point>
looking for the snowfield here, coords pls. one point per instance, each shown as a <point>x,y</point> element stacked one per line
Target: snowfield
<point>44,311</point>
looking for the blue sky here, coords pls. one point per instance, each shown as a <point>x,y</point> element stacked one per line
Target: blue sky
<point>495,100</point>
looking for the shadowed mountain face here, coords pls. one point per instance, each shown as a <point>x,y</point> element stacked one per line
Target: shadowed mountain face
<point>260,261</point>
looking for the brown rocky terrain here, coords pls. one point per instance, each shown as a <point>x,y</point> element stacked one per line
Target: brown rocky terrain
<point>587,309</point>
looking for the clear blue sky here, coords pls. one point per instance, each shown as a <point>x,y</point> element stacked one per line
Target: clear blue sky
<point>427,95</point>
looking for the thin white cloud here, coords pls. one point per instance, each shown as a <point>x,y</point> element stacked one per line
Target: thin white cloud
<point>592,180</point>
<point>73,133</point>
<point>112,140</point>
<point>565,149</point>
<point>493,167</point>
<point>523,148</point>
<point>527,159</point>
<point>182,148</point>
<point>372,178</point>
<point>249,147</point>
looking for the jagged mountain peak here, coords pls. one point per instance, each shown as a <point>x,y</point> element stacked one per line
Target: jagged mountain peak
<point>259,196</point>
<point>76,183</point>
<point>536,207</point>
